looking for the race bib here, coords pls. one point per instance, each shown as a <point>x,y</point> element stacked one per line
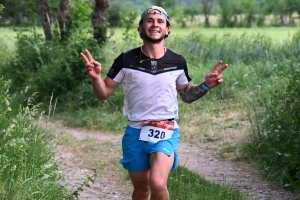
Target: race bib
<point>156,130</point>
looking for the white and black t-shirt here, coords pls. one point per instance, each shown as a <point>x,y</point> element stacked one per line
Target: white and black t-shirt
<point>149,86</point>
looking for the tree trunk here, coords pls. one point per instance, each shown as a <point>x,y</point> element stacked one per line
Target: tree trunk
<point>46,19</point>
<point>207,5</point>
<point>64,19</point>
<point>235,21</point>
<point>207,24</point>
<point>99,20</point>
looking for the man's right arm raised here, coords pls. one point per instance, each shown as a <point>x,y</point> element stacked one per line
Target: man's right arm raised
<point>102,88</point>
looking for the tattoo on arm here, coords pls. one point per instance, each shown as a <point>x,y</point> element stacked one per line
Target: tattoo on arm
<point>191,93</point>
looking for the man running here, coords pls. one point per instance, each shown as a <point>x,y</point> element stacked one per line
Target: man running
<point>151,77</point>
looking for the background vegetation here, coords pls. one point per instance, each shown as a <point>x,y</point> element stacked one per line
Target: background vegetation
<point>260,91</point>
<point>231,13</point>
<point>28,168</point>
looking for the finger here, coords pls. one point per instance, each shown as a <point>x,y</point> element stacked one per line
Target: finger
<point>218,65</point>
<point>223,68</point>
<point>88,69</point>
<point>96,63</point>
<point>84,57</point>
<point>212,75</point>
<point>88,65</point>
<point>89,55</point>
<point>219,76</point>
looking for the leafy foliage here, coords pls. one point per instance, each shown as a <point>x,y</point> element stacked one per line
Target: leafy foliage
<point>130,33</point>
<point>55,68</point>
<point>80,15</point>
<point>275,137</point>
<point>1,9</point>
<point>116,10</point>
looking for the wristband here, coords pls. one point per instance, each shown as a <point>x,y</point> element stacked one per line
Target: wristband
<point>205,87</point>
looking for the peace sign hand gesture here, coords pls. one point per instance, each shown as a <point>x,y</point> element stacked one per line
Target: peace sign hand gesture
<point>93,68</point>
<point>215,77</point>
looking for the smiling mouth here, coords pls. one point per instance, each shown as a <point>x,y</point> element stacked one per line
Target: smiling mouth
<point>154,31</point>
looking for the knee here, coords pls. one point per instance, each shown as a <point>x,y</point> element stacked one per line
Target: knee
<point>158,186</point>
<point>141,190</point>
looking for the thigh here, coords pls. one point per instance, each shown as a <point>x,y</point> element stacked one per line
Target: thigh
<point>161,165</point>
<point>169,148</point>
<point>140,179</point>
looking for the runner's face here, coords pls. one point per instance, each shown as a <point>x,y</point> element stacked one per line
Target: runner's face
<point>154,27</point>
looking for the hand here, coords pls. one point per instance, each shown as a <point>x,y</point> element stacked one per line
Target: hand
<point>93,68</point>
<point>215,77</point>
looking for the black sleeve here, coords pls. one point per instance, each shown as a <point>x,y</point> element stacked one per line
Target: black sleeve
<point>116,66</point>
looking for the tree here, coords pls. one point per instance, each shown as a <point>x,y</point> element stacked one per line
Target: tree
<point>99,20</point>
<point>46,17</point>
<point>14,11</point>
<point>232,9</point>
<point>64,19</point>
<point>192,11</point>
<point>226,13</point>
<point>284,9</point>
<point>291,7</point>
<point>207,5</point>
<point>1,8</point>
<point>250,8</point>
<point>165,4</point>
<point>236,10</point>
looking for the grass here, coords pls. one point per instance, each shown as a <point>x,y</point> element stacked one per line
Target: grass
<point>183,180</point>
<point>9,35</point>
<point>28,168</point>
<point>276,34</point>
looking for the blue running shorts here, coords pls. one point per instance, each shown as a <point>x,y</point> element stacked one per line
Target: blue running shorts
<point>136,153</point>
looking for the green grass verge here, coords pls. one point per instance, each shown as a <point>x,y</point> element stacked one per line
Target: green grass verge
<point>184,184</point>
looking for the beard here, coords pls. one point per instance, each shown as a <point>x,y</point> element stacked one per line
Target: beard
<point>144,36</point>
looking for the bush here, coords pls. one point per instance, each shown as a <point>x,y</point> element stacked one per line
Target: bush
<point>114,14</point>
<point>54,69</point>
<point>274,139</point>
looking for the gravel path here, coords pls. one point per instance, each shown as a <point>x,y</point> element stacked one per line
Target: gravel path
<point>198,158</point>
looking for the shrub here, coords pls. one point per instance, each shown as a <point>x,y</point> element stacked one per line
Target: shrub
<point>274,139</point>
<point>53,69</point>
<point>114,14</point>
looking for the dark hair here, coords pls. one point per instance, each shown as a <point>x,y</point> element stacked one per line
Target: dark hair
<point>141,23</point>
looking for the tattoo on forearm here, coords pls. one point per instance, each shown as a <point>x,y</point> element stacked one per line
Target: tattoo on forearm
<point>191,93</point>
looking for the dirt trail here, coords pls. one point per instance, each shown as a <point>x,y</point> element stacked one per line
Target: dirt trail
<point>197,158</point>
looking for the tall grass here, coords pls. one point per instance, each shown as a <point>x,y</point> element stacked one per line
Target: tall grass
<point>28,168</point>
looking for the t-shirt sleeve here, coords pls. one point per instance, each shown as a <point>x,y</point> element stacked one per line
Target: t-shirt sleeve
<point>116,72</point>
<point>184,78</point>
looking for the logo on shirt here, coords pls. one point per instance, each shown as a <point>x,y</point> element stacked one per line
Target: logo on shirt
<point>153,66</point>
